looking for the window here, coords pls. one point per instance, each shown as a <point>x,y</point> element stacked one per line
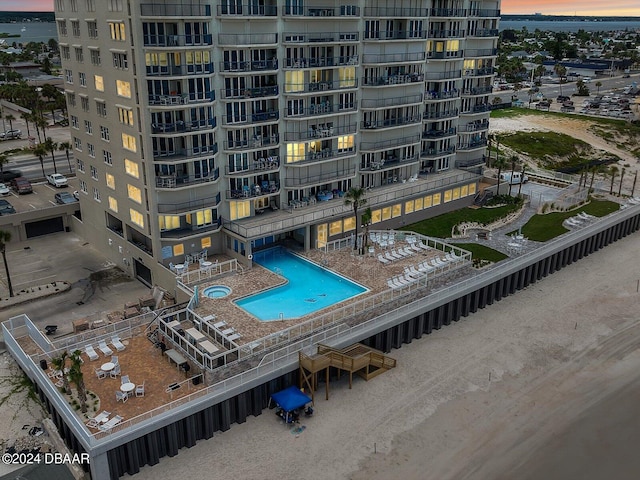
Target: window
<point>335,228</point>
<point>239,209</point>
<point>68,76</point>
<point>123,88</point>
<point>91,150</point>
<point>376,216</point>
<point>347,101</point>
<point>83,186</point>
<point>98,81</point>
<point>418,204</point>
<point>396,210</point>
<point>120,61</point>
<point>200,218</point>
<point>65,52</point>
<point>79,54</point>
<point>82,79</point>
<point>321,240</point>
<point>92,28</point>
<point>85,103</point>
<point>349,224</point>
<point>447,196</point>
<point>408,206</point>
<point>295,107</point>
<point>80,165</point>
<point>472,189</point>
<point>125,115</point>
<point>74,122</point>
<point>94,172</point>
<point>386,213</point>
<point>104,133</point>
<point>117,31</point>
<point>436,199</point>
<point>77,143</point>
<point>346,143</point>
<point>62,27</point>
<point>75,28</point>
<point>129,142</point>
<point>114,5</point>
<point>428,201</point>
<point>205,242</point>
<point>168,222</point>
<point>456,193</point>
<point>134,193</point>
<point>464,190</point>
<point>136,217</point>
<point>131,168</point>
<point>106,155</point>
<point>73,5</point>
<point>88,127</point>
<point>347,76</point>
<point>95,56</point>
<point>101,107</point>
<point>96,194</point>
<point>178,249</point>
<point>71,99</point>
<point>295,152</point>
<point>113,204</point>
<point>111,181</point>
<point>90,5</point>
<point>294,81</point>
<point>59,6</point>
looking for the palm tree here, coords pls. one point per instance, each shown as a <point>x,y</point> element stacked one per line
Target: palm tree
<point>10,118</point>
<point>598,85</point>
<point>513,159</point>
<point>4,159</point>
<point>60,364</point>
<point>366,221</point>
<point>633,188</point>
<point>524,168</point>
<point>500,163</point>
<point>355,198</point>
<point>65,147</point>
<point>52,147</point>
<point>41,151</point>
<point>5,237</point>
<point>561,71</point>
<point>613,171</point>
<point>26,117</point>
<point>621,178</point>
<point>42,124</point>
<point>77,377</point>
<point>596,169</point>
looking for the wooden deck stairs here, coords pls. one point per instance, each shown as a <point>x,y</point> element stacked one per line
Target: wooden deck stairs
<point>357,358</point>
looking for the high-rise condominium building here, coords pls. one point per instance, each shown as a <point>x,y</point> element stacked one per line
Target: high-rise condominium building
<point>228,126</point>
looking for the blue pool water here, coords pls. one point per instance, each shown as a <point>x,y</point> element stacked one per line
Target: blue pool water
<point>310,288</point>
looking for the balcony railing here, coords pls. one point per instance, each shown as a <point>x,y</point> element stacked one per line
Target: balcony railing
<point>392,143</point>
<point>183,99</point>
<point>440,115</point>
<point>445,33</point>
<point>397,12</point>
<point>320,109</point>
<point>479,72</point>
<point>178,70</point>
<point>320,178</point>
<point>247,10</point>
<point>435,76</point>
<point>474,127</point>
<point>444,132</point>
<point>393,58</point>
<point>254,92</point>
<point>325,154</point>
<point>320,37</point>
<point>188,10</point>
<point>150,40</point>
<point>483,13</point>
<point>387,35</point>
<point>484,32</point>
<point>321,132</point>
<point>480,143</point>
<point>270,163</point>
<point>326,11</point>
<point>253,66</point>
<point>472,162</point>
<point>190,206</point>
<point>325,86</point>
<point>478,90</point>
<point>236,39</point>
<point>481,52</point>
<point>390,102</point>
<point>319,62</point>
<point>451,54</point>
<point>256,191</point>
<point>185,153</point>
<point>390,122</point>
<point>392,80</point>
<point>191,231</point>
<point>447,12</point>
<point>437,152</point>
<point>476,109</point>
<point>179,181</point>
<point>261,117</point>
<point>443,95</point>
<point>180,126</point>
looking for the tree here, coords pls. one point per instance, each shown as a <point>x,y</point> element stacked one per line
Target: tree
<point>4,159</point>
<point>27,118</point>
<point>621,178</point>
<point>598,85</point>
<point>10,118</point>
<point>500,163</point>
<point>513,159</point>
<point>41,125</point>
<point>613,171</point>
<point>524,168</point>
<point>366,221</point>
<point>65,147</point>
<point>5,237</point>
<point>52,146</point>
<point>60,364</point>
<point>355,198</point>
<point>77,377</point>
<point>41,151</point>
<point>561,71</point>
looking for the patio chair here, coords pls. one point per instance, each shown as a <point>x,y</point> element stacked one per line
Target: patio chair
<point>423,246</point>
<point>415,247</point>
<point>407,250</point>
<point>114,359</point>
<point>91,353</point>
<point>396,254</point>
<point>115,372</point>
<point>383,260</point>
<point>424,267</point>
<point>220,324</point>
<point>102,345</point>
<point>107,427</point>
<point>234,337</point>
<point>121,396</point>
<point>140,390</point>
<point>100,373</point>
<point>414,271</point>
<point>97,420</point>
<point>117,343</point>
<point>392,283</point>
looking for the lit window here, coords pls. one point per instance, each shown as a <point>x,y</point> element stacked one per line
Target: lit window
<point>96,194</point>
<point>447,196</point>
<point>386,213</point>
<point>123,88</point>
<point>295,152</point>
<point>111,181</point>
<point>322,236</point>
<point>205,242</point>
<point>428,201</point>
<point>349,224</point>
<point>117,31</point>
<point>396,210</point>
<point>464,190</point>
<point>418,204</point>
<point>239,209</point>
<point>437,199</point>
<point>129,142</point>
<point>472,189</point>
<point>453,45</point>
<point>113,204</point>
<point>200,218</point>
<point>169,222</point>
<point>134,193</point>
<point>125,115</point>
<point>347,76</point>
<point>294,81</point>
<point>376,216</point>
<point>409,206</point>
<point>456,193</point>
<point>178,250</point>
<point>136,217</point>
<point>131,168</point>
<point>98,81</point>
<point>335,228</point>
<point>346,143</point>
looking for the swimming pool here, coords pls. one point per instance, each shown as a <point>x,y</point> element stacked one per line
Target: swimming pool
<point>309,288</point>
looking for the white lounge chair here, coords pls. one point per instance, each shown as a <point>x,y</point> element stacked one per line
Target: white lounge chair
<point>401,280</point>
<point>416,248</point>
<point>220,324</point>
<point>102,345</point>
<point>390,257</point>
<point>91,353</point>
<point>390,283</point>
<point>107,427</point>
<point>449,257</point>
<point>98,419</point>
<point>407,251</point>
<point>140,390</point>
<point>415,272</point>
<point>383,260</point>
<point>395,283</point>
<point>397,255</point>
<point>424,267</point>
<point>423,246</point>
<point>117,343</point>
<point>234,337</point>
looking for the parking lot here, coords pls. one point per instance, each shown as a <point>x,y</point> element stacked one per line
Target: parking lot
<point>42,196</point>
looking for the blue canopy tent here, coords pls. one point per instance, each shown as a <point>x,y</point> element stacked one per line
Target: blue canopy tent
<point>289,400</point>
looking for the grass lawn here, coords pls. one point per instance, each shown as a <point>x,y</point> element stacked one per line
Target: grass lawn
<point>482,252</point>
<point>442,225</point>
<point>545,227</point>
<point>539,145</point>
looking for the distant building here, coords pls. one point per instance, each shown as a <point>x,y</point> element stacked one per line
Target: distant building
<point>26,69</point>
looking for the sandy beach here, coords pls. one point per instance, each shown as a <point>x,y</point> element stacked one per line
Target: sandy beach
<point>540,385</point>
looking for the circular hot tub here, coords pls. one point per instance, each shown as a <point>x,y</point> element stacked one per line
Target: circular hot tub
<point>216,291</point>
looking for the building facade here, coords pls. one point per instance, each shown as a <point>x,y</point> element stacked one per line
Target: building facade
<point>229,126</point>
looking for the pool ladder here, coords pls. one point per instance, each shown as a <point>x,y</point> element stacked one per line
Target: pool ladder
<point>279,271</point>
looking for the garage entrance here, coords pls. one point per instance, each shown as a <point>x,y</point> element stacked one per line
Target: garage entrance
<point>44,227</point>
<point>143,273</point>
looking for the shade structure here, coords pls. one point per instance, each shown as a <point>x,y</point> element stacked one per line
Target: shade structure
<point>290,399</point>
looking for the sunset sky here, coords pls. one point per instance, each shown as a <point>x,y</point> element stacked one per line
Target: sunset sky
<point>561,7</point>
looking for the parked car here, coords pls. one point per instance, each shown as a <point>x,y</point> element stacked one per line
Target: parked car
<point>76,194</point>
<point>8,175</point>
<point>57,180</point>
<point>4,190</point>
<point>6,208</point>
<point>10,134</point>
<point>21,185</point>
<point>562,98</point>
<point>64,198</point>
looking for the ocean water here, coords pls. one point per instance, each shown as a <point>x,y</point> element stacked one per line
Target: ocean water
<point>34,32</point>
<point>569,25</point>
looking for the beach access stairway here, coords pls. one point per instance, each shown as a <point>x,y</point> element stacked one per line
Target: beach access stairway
<point>357,358</point>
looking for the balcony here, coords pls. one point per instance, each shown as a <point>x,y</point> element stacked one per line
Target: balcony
<point>247,10</point>
<point>188,10</point>
<point>472,162</point>
<point>476,109</point>
<point>483,13</point>
<point>484,32</point>
<point>315,157</point>
<point>321,37</point>
<point>179,154</point>
<point>177,40</point>
<point>386,144</point>
<point>388,35</point>
<point>183,99</point>
<point>445,34</point>
<point>239,39</point>
<point>179,70</point>
<point>440,115</point>
<point>326,11</point>
<point>397,12</point>
<point>320,132</point>
<point>324,86</point>
<point>180,126</point>
<point>390,122</point>
<point>485,90</point>
<point>473,144</point>
<point>443,95</point>
<point>479,72</point>
<point>255,66</point>
<point>390,102</point>
<point>254,92</point>
<point>447,12</point>
<point>261,117</point>
<point>320,179</point>
<point>392,161</point>
<point>392,80</point>
<point>474,127</point>
<point>268,188</point>
<point>257,142</point>
<point>480,52</point>
<point>271,163</point>
<point>437,152</point>
<point>190,206</point>
<point>448,55</point>
<point>320,109</point>
<point>372,59</point>
<point>320,62</point>
<point>189,231</point>
<point>441,133</point>
<point>436,76</point>
<point>177,181</point>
